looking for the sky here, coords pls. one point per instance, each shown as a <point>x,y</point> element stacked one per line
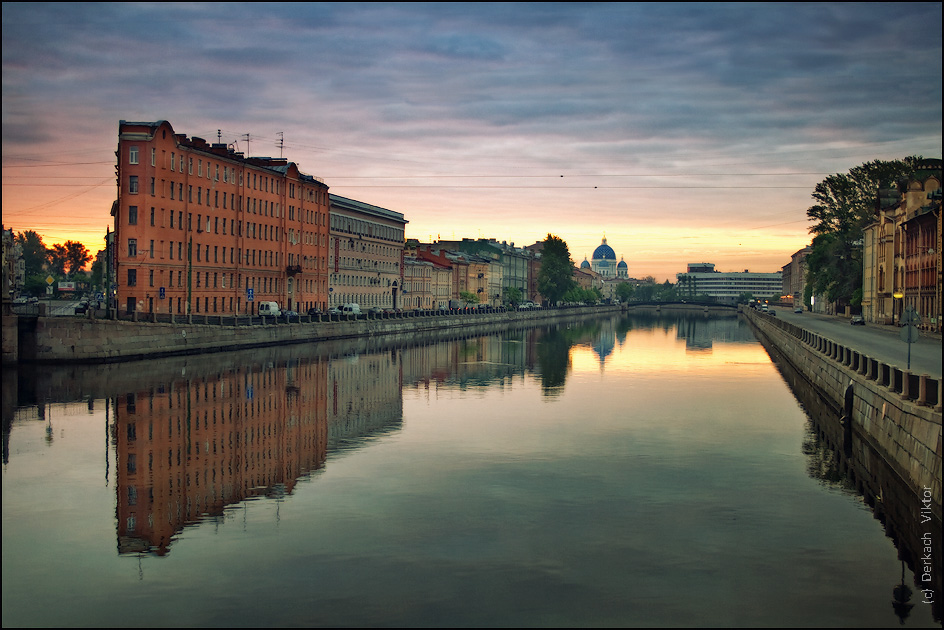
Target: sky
<point>682,133</point>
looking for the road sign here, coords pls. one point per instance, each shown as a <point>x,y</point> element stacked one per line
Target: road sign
<point>162,293</point>
<point>249,295</point>
<point>909,334</point>
<point>910,316</point>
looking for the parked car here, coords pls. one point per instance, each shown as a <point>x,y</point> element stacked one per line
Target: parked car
<point>798,309</point>
<point>351,309</point>
<point>290,316</point>
<point>314,310</point>
<point>81,308</point>
<point>269,309</point>
<point>334,310</point>
<point>857,320</point>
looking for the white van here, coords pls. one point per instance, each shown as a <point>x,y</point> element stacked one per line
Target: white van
<point>269,309</point>
<point>351,309</point>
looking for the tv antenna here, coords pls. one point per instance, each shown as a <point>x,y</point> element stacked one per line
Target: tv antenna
<point>281,135</point>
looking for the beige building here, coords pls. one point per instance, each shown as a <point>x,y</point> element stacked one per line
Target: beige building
<point>417,284</point>
<point>365,255</point>
<point>901,251</point>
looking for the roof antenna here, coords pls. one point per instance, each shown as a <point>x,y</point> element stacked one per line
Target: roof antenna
<point>281,135</point>
<point>219,137</point>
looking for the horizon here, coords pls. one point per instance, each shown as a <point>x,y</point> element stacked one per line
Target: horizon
<point>681,136</point>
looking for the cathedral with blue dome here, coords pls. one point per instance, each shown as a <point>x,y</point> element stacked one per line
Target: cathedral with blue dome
<point>604,263</point>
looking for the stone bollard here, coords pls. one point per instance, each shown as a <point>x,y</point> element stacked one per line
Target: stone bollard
<point>864,363</point>
<point>922,398</point>
<point>905,385</point>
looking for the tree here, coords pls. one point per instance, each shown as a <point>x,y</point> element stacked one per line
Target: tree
<point>512,295</point>
<point>556,275</point>
<point>98,270</point>
<point>77,256</point>
<point>625,291</point>
<point>58,259</point>
<point>35,254</point>
<point>845,204</point>
<point>468,297</point>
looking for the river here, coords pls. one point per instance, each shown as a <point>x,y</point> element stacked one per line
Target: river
<point>629,471</point>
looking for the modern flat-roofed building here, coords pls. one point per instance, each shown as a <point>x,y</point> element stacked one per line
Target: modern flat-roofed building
<point>727,287</point>
<point>202,229</point>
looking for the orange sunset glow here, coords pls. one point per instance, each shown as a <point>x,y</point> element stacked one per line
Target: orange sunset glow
<point>504,122</point>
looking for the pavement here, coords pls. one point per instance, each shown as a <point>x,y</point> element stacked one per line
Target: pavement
<point>878,341</point>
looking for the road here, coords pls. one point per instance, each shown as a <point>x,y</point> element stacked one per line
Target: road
<point>879,342</point>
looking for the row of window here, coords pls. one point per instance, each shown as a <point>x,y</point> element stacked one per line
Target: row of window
<point>230,175</point>
<point>260,231</point>
<point>360,227</point>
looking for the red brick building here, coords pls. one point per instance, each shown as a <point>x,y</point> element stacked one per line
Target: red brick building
<point>202,229</point>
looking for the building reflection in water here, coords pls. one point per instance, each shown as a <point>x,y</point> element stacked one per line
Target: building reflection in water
<point>188,449</point>
<point>208,437</point>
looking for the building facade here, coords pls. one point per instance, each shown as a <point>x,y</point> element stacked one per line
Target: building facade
<point>202,229</point>
<point>366,250</point>
<point>901,251</point>
<point>728,287</point>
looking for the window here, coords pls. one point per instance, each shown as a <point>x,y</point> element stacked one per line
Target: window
<point>152,186</point>
<point>152,216</point>
<point>190,166</point>
<point>132,215</point>
<point>133,184</point>
<point>153,156</point>
<point>132,277</point>
<point>152,249</point>
<point>173,161</point>
<point>151,277</point>
<point>132,247</point>
<point>133,155</point>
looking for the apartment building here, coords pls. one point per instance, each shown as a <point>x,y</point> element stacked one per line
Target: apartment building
<point>366,254</point>
<point>202,229</point>
<point>901,251</point>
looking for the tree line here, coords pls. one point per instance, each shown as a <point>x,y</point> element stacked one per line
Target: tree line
<point>845,203</point>
<point>62,261</point>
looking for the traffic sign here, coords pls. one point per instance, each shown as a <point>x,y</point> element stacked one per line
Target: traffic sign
<point>909,334</point>
<point>162,293</point>
<point>910,316</point>
<point>249,294</point>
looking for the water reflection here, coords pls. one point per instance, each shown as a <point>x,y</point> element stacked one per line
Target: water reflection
<point>610,472</point>
<point>845,462</point>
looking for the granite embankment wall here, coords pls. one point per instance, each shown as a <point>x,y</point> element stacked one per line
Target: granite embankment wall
<point>896,412</point>
<point>83,340</point>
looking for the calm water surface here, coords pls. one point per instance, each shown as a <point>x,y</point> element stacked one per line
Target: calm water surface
<point>630,472</point>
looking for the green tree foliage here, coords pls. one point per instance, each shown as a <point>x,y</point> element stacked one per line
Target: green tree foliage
<point>35,254</point>
<point>98,270</point>
<point>556,275</point>
<point>468,297</point>
<point>646,292</point>
<point>844,205</point>
<point>511,295</point>
<point>77,256</point>
<point>625,291</point>
<point>578,294</point>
